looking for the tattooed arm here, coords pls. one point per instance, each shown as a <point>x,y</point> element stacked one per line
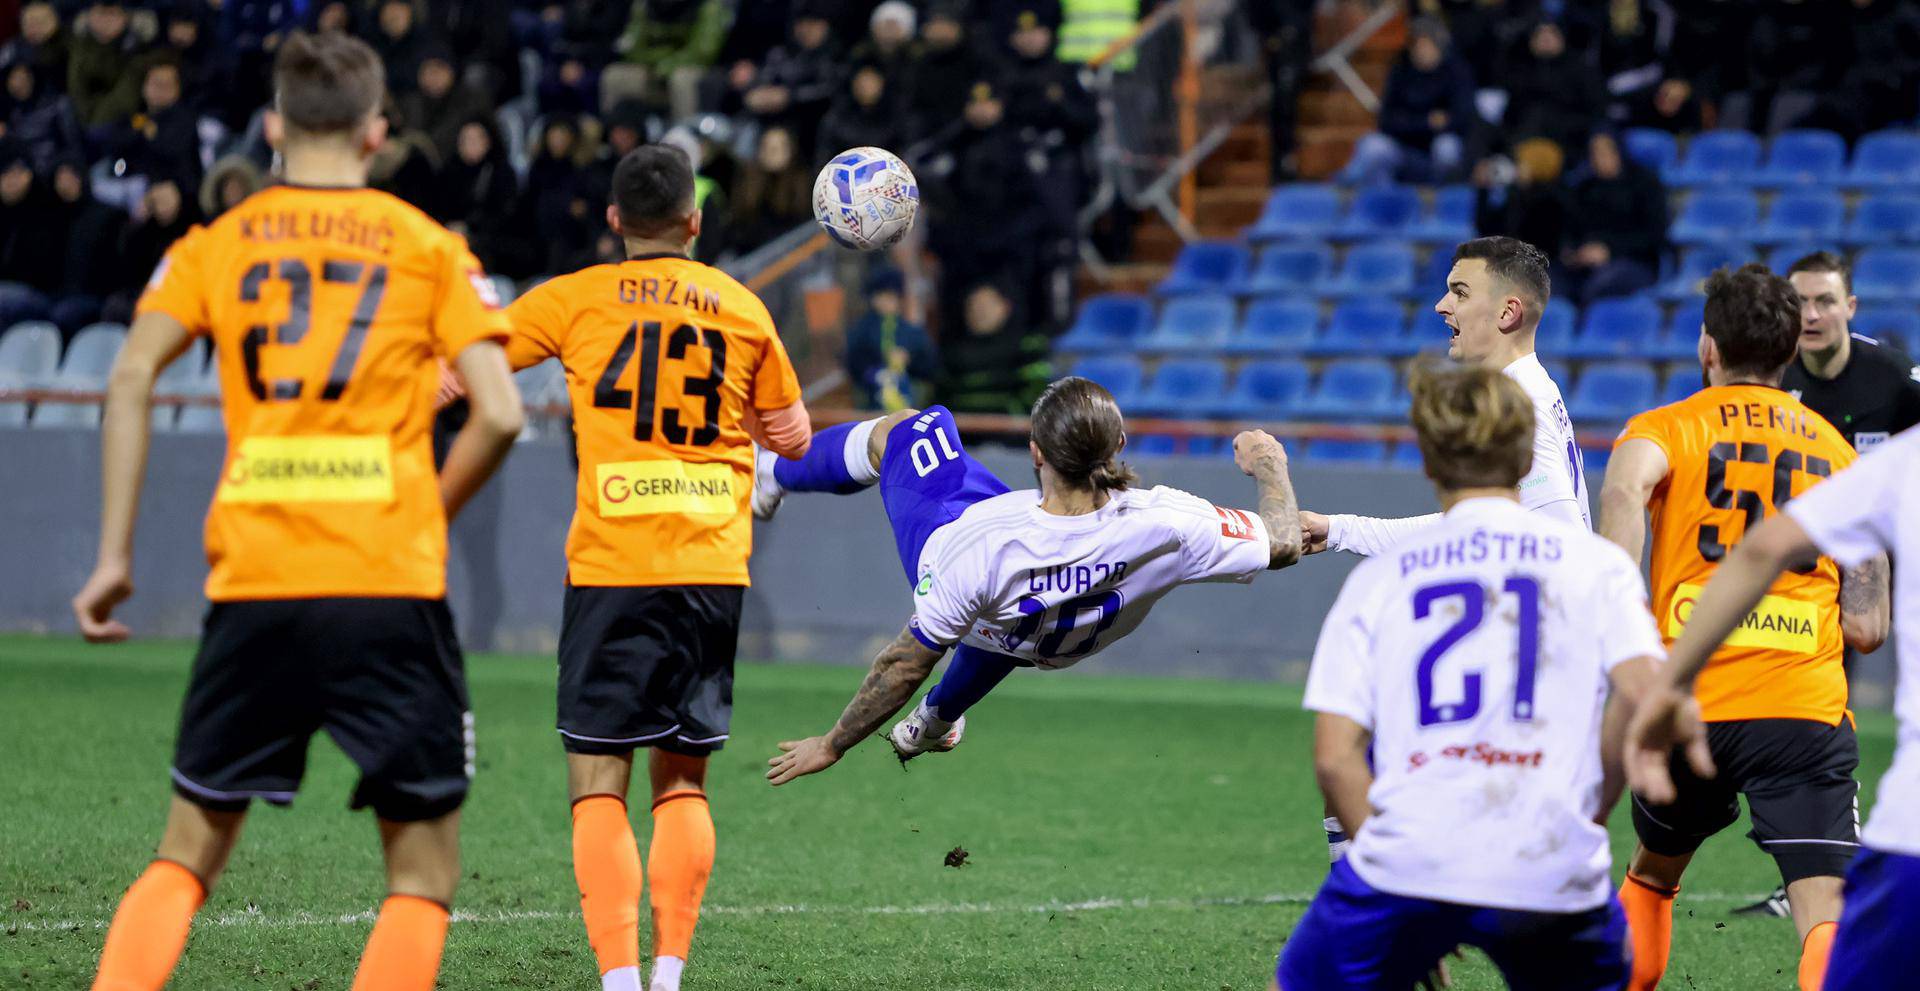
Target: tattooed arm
<point>899,671</point>
<point>1259,455</point>
<point>1864,608</point>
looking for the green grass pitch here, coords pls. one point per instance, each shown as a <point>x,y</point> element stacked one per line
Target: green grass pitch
<point>1122,834</point>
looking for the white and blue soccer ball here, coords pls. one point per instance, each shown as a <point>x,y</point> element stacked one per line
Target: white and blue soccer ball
<point>866,198</point>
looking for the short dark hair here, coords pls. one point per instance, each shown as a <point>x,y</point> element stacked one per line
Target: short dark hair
<point>1826,261</point>
<point>1079,431</point>
<point>1515,262</point>
<point>327,83</point>
<point>653,190</point>
<point>1753,317</point>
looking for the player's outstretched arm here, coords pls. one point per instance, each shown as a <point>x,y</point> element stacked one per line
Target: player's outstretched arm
<point>1637,467</point>
<point>1866,609</point>
<point>1265,459</point>
<point>493,421</point>
<point>899,671</point>
<point>1362,535</point>
<point>1340,765</point>
<point>1630,681</point>
<point>154,342</point>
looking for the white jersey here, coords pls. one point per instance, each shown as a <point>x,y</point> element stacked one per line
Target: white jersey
<point>1012,578</point>
<point>1873,508</point>
<point>1556,486</point>
<point>1477,654</point>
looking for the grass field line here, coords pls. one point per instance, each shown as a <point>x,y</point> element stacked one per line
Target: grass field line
<point>262,920</point>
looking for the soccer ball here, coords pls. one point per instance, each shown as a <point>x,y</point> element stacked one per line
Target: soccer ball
<point>866,198</point>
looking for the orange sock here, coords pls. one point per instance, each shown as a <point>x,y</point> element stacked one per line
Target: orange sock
<point>682,858</point>
<point>1649,910</point>
<point>1813,955</point>
<point>403,954</point>
<point>150,929</point>
<point>606,864</point>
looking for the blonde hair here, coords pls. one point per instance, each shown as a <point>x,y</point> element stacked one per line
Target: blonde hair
<point>1474,426</point>
<point>1539,159</point>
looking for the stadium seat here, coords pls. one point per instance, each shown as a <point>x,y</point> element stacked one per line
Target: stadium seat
<point>1352,389</point>
<point>1381,269</point>
<point>1449,222</point>
<point>1199,322</point>
<point>1717,158</point>
<point>176,381</point>
<point>1365,327</point>
<point>1265,390</point>
<point>1276,325</point>
<point>1153,445</point>
<point>1696,264</point>
<point>1119,373</point>
<point>1555,333</point>
<point>1882,274</point>
<point>1803,158</point>
<point>1618,328</point>
<point>1886,324</point>
<point>1346,452</point>
<point>1782,257</point>
<point>1433,276</point>
<point>1379,212</point>
<point>1207,447</point>
<point>1804,215</point>
<point>1299,266</point>
<point>1406,454</point>
<point>1593,461</point>
<point>1206,266</point>
<point>1302,210</point>
<point>88,359</point>
<point>1885,159</point>
<point>1884,218</point>
<point>29,354</point>
<point>1612,392</point>
<point>1652,148</point>
<point>1111,322</point>
<point>1683,382</point>
<point>1183,387</point>
<point>1680,341</point>
<point>1716,217</point>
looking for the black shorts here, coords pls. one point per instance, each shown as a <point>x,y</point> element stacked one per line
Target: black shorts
<point>1797,775</point>
<point>383,677</point>
<point>648,667</point>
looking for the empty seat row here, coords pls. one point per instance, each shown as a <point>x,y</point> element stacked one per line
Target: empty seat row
<point>1383,268</point>
<point>1313,210</point>
<point>1734,216</point>
<point>1793,158</point>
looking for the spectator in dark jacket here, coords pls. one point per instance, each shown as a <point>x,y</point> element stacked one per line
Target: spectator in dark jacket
<point>981,200</point>
<point>1796,51</point>
<point>794,86</point>
<point>24,206</point>
<point>773,193</point>
<point>231,180</point>
<point>1616,224</point>
<point>165,214</point>
<point>759,26</point>
<point>187,38</point>
<point>1523,198</point>
<point>162,140</point>
<point>865,113</point>
<point>84,235</point>
<point>37,117</point>
<point>440,102</point>
<point>100,58</point>
<point>890,359</point>
<point>41,42</point>
<point>1553,93</point>
<point>1055,116</point>
<point>401,44</point>
<point>483,38</point>
<point>936,83</point>
<point>559,198</point>
<point>996,363</point>
<point>1424,116</point>
<point>479,196</point>
<point>889,41</point>
<point>1878,86</point>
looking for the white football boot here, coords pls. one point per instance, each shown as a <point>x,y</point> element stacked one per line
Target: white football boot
<point>767,492</point>
<point>919,734</point>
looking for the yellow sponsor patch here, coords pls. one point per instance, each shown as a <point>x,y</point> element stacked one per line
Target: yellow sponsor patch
<point>309,469</point>
<point>1777,623</point>
<point>642,488</point>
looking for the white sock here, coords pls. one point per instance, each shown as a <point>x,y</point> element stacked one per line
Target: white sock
<point>935,726</point>
<point>1336,849</point>
<point>859,461</point>
<point>621,979</point>
<point>666,973</point>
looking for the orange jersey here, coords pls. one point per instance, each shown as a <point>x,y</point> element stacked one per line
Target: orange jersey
<point>327,309</point>
<point>664,356</point>
<point>1735,455</point>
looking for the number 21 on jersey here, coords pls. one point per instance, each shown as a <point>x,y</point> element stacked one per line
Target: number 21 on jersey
<point>1439,708</point>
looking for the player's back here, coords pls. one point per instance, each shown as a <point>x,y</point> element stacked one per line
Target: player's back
<point>326,308</point>
<point>1477,653</point>
<point>665,359</point>
<point>1735,455</point>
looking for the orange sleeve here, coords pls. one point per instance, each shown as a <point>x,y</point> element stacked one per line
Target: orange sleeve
<point>1652,425</point>
<point>539,320</point>
<point>178,287</point>
<point>775,385</point>
<point>787,431</point>
<point>468,310</point>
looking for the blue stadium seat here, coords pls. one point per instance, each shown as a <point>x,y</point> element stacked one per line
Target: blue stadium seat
<point>1653,148</point>
<point>1298,266</point>
<point>1406,454</point>
<point>1433,275</point>
<point>1782,257</point>
<point>1899,326</point>
<point>1885,159</point>
<point>1450,221</point>
<point>1352,389</point>
<point>1207,447</point>
<point>1618,328</point>
<point>1559,371</point>
<point>1379,212</point>
<point>1716,217</point>
<point>1265,390</point>
<point>1382,269</point>
<point>1612,392</point>
<point>1881,274</point>
<point>1276,325</point>
<point>1593,461</point>
<point>1884,218</point>
<point>1683,382</point>
<point>1199,322</point>
<point>1804,158</point>
<point>1302,210</point>
<point>1696,264</point>
<point>1804,215</point>
<point>1107,323</point>
<point>1346,452</point>
<point>1555,333</point>
<point>1717,158</point>
<point>29,357</point>
<point>1121,374</point>
<point>1681,339</point>
<point>1153,445</point>
<point>1183,387</point>
<point>1365,327</point>
<point>1206,266</point>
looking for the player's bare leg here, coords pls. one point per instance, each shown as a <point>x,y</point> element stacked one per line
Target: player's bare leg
<point>681,855</point>
<point>150,927</point>
<point>1815,903</point>
<point>1647,898</point>
<point>423,869</point>
<point>606,864</point>
<point>843,459</point>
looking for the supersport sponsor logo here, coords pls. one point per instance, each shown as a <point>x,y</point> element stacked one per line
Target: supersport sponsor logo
<point>1482,753</point>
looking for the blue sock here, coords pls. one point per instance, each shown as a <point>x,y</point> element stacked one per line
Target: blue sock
<point>970,676</point>
<point>824,467</point>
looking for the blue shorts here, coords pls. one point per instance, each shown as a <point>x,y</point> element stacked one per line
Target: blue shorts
<point>1878,945</point>
<point>1357,938</point>
<point>927,480</point>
